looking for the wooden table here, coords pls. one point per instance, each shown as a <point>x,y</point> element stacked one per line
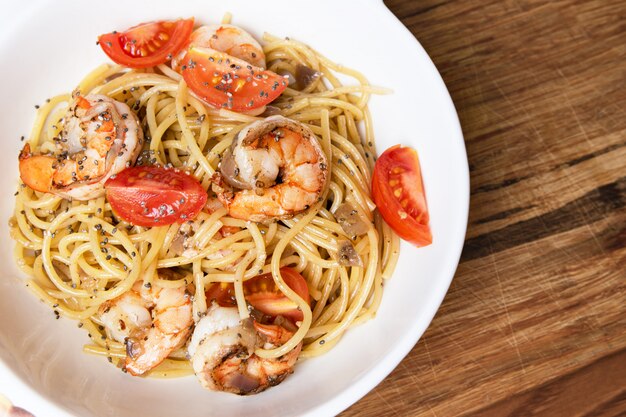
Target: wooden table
<point>535,320</point>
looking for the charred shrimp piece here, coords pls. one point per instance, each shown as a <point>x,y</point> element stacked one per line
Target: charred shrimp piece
<point>152,322</point>
<point>222,352</point>
<point>100,137</point>
<point>275,169</point>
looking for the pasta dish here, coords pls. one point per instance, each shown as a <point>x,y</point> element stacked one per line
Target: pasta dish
<point>205,205</point>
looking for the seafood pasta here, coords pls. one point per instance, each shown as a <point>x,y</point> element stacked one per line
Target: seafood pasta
<point>204,205</point>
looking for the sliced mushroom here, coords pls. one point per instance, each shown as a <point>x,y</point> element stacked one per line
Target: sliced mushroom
<point>347,255</point>
<point>306,76</point>
<point>351,221</point>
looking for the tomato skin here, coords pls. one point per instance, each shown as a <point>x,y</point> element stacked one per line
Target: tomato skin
<point>263,294</point>
<point>147,44</point>
<point>155,196</point>
<point>225,81</point>
<point>398,191</point>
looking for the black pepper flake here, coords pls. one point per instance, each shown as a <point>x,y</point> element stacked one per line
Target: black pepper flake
<point>322,342</point>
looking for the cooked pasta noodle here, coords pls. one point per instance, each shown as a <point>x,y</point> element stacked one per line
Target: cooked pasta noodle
<point>79,254</point>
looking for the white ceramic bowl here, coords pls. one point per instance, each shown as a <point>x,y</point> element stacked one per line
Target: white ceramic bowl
<point>48,46</point>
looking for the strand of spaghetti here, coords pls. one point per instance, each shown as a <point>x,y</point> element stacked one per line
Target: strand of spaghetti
<point>361,297</point>
<point>326,222</point>
<point>135,268</point>
<point>42,115</point>
<point>300,247</point>
<point>187,135</point>
<point>156,241</point>
<point>221,244</point>
<point>336,309</point>
<point>172,233</point>
<point>271,232</point>
<point>46,201</point>
<point>199,300</point>
<point>200,109</point>
<point>296,106</point>
<point>156,130</point>
<point>312,57</point>
<point>355,169</point>
<point>95,334</point>
<point>338,91</point>
<point>131,80</point>
<point>54,303</point>
<point>171,368</point>
<point>354,190</point>
<point>259,251</point>
<point>226,260</point>
<point>201,238</point>
<point>212,277</point>
<point>40,274</point>
<point>168,72</point>
<point>316,236</point>
<point>103,351</point>
<point>368,143</point>
<point>242,306</point>
<point>318,350</point>
<point>353,132</point>
<point>286,290</point>
<point>54,128</point>
<point>391,248</point>
<point>329,278</point>
<point>20,259</point>
<point>97,76</point>
<point>349,151</point>
<point>173,283</point>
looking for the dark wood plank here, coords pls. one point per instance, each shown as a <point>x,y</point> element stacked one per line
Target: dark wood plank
<point>535,320</point>
<point>604,381</point>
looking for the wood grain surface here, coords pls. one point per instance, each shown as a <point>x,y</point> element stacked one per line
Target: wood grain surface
<point>534,323</point>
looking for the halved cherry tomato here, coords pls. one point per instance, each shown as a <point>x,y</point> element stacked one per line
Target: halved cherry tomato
<point>263,294</point>
<point>398,191</point>
<point>155,196</point>
<point>225,81</point>
<point>147,44</point>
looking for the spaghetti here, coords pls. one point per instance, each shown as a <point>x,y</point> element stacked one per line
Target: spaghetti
<point>79,254</point>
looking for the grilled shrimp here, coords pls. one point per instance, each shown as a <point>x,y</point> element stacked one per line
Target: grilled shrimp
<point>274,169</point>
<point>151,322</point>
<point>100,137</point>
<point>225,38</point>
<point>222,353</point>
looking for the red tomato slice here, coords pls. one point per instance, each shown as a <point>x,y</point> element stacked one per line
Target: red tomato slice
<point>398,191</point>
<point>147,44</point>
<point>225,81</point>
<point>263,294</point>
<point>155,196</point>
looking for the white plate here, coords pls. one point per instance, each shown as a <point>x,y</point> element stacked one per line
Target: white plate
<point>47,47</point>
